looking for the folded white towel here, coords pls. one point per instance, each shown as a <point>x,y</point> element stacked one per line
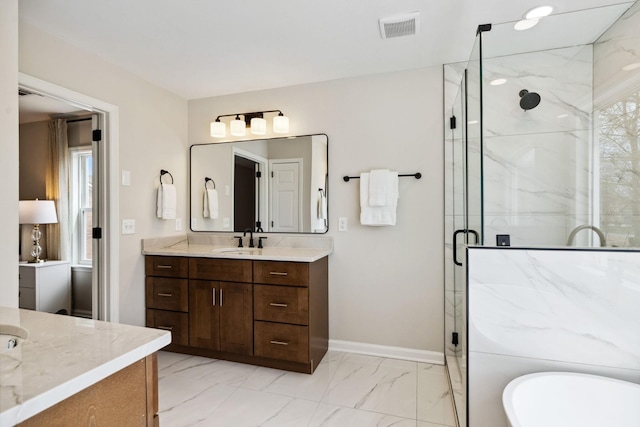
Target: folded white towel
<point>166,208</point>
<point>379,188</point>
<point>378,215</point>
<point>321,214</point>
<point>210,203</point>
<point>322,206</point>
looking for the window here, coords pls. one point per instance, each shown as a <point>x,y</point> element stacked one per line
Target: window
<point>619,140</point>
<point>81,193</point>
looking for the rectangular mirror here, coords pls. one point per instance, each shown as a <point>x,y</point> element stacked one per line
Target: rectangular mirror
<point>276,185</point>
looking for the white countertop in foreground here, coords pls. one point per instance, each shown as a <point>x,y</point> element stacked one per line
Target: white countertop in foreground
<point>63,355</point>
<point>298,249</point>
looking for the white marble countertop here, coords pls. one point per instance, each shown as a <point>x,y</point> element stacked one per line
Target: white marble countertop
<point>277,248</point>
<point>63,355</point>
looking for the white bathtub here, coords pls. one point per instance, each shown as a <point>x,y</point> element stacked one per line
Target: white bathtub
<point>554,399</point>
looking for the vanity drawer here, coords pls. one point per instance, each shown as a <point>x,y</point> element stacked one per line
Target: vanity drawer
<point>176,322</point>
<point>281,273</point>
<point>166,266</point>
<point>228,270</point>
<point>281,341</point>
<point>167,294</point>
<point>285,304</point>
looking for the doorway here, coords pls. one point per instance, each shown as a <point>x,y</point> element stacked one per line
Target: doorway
<point>100,147</point>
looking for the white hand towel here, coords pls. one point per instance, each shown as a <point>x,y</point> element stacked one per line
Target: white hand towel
<point>166,208</point>
<point>378,215</point>
<point>379,187</point>
<point>210,202</point>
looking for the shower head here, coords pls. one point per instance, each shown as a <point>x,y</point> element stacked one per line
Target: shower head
<point>529,100</point>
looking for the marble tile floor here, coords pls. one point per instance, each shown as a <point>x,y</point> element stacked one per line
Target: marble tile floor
<point>346,390</point>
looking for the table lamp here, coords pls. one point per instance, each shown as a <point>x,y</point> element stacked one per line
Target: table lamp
<point>37,212</point>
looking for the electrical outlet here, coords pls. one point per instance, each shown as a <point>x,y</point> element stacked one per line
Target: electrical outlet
<point>342,223</point>
<point>126,178</point>
<point>178,224</point>
<point>128,226</point>
<point>225,223</point>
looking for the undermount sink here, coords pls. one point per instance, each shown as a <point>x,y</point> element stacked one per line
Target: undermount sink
<point>237,251</point>
<point>11,336</point>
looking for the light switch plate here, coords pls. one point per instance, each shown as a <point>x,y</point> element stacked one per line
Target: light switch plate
<point>342,223</point>
<point>128,226</point>
<point>126,178</point>
<point>178,224</point>
<point>225,223</point>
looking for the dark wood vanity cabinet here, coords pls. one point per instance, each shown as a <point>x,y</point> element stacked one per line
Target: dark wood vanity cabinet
<point>269,313</point>
<point>167,296</point>
<point>220,317</point>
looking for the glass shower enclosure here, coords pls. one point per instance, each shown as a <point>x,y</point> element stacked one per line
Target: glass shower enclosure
<point>542,147</point>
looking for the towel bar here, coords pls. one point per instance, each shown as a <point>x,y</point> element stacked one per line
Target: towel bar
<point>163,172</point>
<point>416,175</point>
<point>206,180</point>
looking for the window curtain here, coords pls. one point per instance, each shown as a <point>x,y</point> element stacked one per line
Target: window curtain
<point>57,189</point>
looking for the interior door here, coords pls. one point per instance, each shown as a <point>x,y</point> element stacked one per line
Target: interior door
<point>285,191</point>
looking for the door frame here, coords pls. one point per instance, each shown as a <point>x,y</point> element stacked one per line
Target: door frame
<point>262,197</point>
<point>108,274</point>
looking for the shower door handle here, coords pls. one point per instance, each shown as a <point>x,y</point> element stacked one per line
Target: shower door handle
<point>455,242</point>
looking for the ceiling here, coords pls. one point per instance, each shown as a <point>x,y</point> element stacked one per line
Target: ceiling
<point>204,48</point>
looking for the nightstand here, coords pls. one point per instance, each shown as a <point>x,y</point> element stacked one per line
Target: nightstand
<point>46,286</point>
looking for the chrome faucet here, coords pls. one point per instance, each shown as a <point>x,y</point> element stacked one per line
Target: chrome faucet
<point>250,236</point>
<point>595,229</point>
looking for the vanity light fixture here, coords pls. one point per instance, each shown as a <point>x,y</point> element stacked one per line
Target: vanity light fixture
<point>255,121</point>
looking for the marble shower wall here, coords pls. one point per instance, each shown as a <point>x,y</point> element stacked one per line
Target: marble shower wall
<point>537,163</point>
<point>549,310</point>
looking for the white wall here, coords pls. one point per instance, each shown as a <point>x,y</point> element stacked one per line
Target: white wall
<point>386,283</point>
<point>9,152</point>
<point>535,310</point>
<point>152,136</point>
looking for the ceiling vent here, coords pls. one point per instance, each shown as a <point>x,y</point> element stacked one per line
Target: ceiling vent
<point>407,24</point>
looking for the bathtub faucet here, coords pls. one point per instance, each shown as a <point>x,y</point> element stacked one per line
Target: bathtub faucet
<point>595,229</point>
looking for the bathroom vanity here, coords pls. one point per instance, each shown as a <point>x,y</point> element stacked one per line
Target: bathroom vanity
<point>267,307</point>
<point>65,370</point>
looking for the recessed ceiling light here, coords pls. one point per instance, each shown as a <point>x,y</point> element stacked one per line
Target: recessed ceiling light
<point>498,82</point>
<point>525,24</point>
<point>539,12</point>
<point>630,67</point>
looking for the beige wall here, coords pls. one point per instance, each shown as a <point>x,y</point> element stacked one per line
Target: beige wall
<point>386,283</point>
<point>152,136</point>
<point>9,152</point>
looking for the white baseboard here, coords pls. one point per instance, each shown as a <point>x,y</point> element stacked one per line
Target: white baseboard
<point>412,354</point>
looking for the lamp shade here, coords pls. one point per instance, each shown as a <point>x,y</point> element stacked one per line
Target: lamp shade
<point>258,126</point>
<point>218,129</point>
<point>237,127</point>
<point>281,124</point>
<point>37,212</point>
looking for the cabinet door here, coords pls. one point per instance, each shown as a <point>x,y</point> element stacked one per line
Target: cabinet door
<point>236,317</point>
<point>204,314</point>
